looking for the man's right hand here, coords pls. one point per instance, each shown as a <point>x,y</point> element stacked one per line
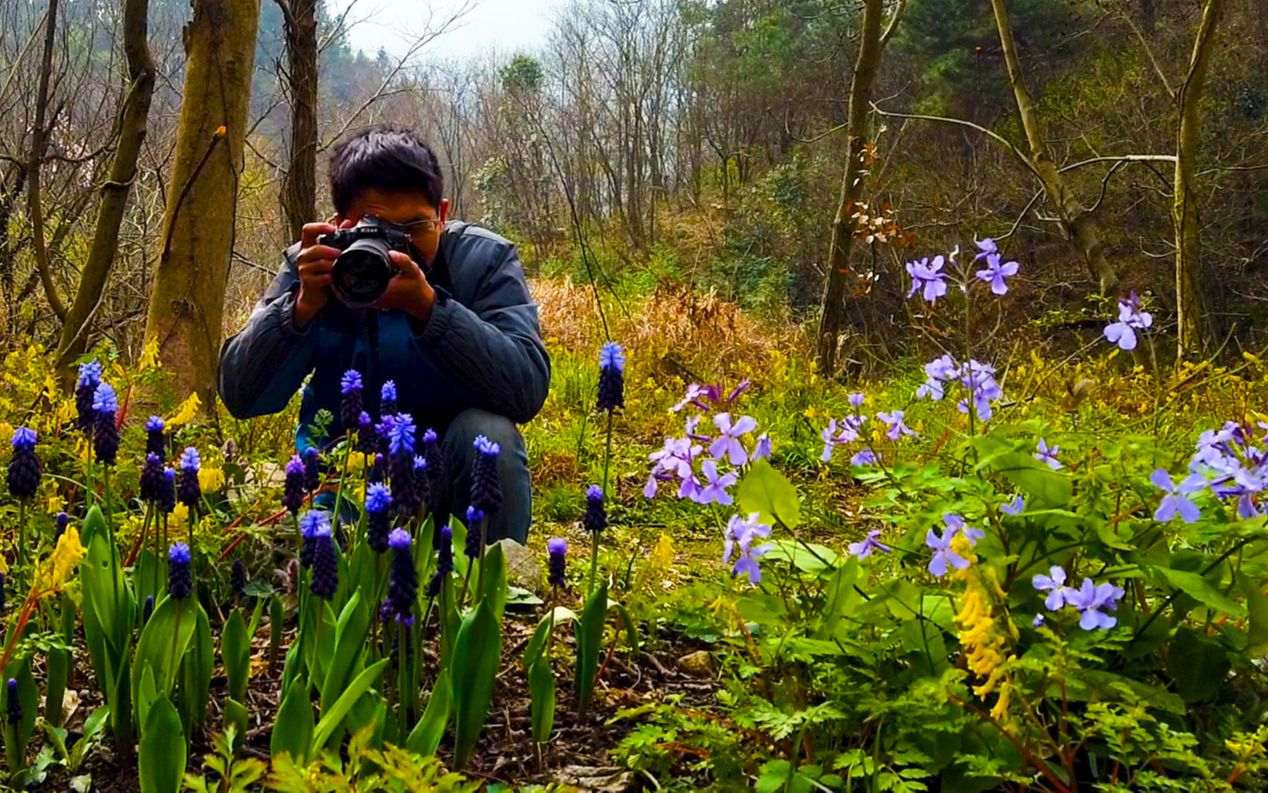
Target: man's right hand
<point>316,263</point>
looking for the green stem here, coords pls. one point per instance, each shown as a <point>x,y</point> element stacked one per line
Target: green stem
<point>343,477</point>
<point>21,531</point>
<point>594,542</point>
<point>402,705</point>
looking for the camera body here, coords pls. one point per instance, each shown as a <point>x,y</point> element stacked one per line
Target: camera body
<point>363,269</point>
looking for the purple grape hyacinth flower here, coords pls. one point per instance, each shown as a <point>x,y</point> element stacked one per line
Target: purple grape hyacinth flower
<point>25,467</point>
<point>152,479</point>
<point>378,499</point>
<point>1176,502</point>
<point>995,273</point>
<point>312,469</point>
<point>293,489</point>
<point>475,533</point>
<point>1048,455</point>
<point>557,549</point>
<point>928,278</point>
<point>350,386</point>
<point>14,704</point>
<point>155,440</point>
<point>865,547</point>
<point>401,433</point>
<point>1130,320</point>
<point>1054,585</point>
<point>714,490</point>
<point>180,576</point>
<point>444,561</point>
<point>85,388</point>
<point>188,489</point>
<point>387,398</point>
<point>59,526</point>
<point>728,442</point>
<point>486,488</point>
<point>105,430</point>
<point>595,518</point>
<point>739,535</point>
<point>320,549</point>
<point>611,377</point>
<point>402,582</point>
<point>1093,600</point>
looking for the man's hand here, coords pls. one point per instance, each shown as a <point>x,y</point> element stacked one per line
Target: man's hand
<point>408,290</point>
<point>315,263</point>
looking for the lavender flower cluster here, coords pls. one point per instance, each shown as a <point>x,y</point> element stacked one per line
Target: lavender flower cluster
<point>1231,462</point>
<point>1091,600</point>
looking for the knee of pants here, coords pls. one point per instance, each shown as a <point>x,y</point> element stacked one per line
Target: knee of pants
<point>474,422</point>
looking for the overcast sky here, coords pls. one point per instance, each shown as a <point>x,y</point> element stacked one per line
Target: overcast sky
<point>505,25</point>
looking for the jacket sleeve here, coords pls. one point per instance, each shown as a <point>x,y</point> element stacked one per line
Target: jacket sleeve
<point>494,348</point>
<point>264,364</point>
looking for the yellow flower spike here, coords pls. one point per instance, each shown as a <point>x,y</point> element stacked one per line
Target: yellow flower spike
<point>211,478</point>
<point>63,561</point>
<point>179,516</point>
<point>149,356</point>
<point>186,412</point>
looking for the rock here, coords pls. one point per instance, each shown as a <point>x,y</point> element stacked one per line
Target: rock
<point>523,568</point>
<point>595,778</point>
<point>698,663</point>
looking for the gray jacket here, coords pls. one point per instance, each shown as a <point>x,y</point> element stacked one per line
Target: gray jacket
<point>481,347</point>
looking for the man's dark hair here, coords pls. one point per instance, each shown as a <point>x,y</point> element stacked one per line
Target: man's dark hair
<point>391,159</point>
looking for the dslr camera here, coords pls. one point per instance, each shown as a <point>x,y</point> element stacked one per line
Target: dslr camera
<point>363,269</point>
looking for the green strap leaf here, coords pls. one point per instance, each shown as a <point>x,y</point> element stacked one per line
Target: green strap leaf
<point>424,739</point>
<point>493,579</point>
<point>589,642</point>
<point>293,726</point>
<point>164,641</point>
<point>349,645</point>
<point>161,751</point>
<point>235,653</point>
<point>541,686</point>
<point>331,719</point>
<point>477,650</point>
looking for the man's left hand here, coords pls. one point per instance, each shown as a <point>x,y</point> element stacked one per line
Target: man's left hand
<point>408,290</point>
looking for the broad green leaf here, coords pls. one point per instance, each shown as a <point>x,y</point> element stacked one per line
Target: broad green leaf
<point>1197,664</point>
<point>1257,611</point>
<point>164,641</point>
<point>1198,588</point>
<point>493,579</point>
<point>161,751</point>
<point>841,596</point>
<point>541,686</point>
<point>477,650</point>
<point>196,670</point>
<point>557,616</point>
<point>589,643</point>
<point>349,645</point>
<point>627,622</point>
<point>808,557</point>
<point>1044,487</point>
<point>769,493</point>
<point>235,714</point>
<point>333,718</point>
<point>424,739</point>
<point>293,725</point>
<point>235,653</point>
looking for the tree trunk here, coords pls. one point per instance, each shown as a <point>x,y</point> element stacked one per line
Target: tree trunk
<point>832,307</point>
<point>1080,227</point>
<point>196,242</point>
<point>1194,328</point>
<point>39,142</point>
<point>299,187</point>
<point>114,197</point>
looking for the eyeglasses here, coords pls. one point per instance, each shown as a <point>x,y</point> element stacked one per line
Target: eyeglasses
<point>422,227</point>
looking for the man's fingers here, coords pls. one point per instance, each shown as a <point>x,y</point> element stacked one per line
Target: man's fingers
<point>311,231</point>
<point>321,280</point>
<point>346,224</point>
<point>318,253</point>
<point>316,267</point>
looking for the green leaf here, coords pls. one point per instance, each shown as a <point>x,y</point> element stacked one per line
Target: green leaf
<point>333,718</point>
<point>1197,664</point>
<point>627,622</point>
<point>164,641</point>
<point>1257,610</point>
<point>477,650</point>
<point>1044,487</point>
<point>349,645</point>
<point>197,669</point>
<point>293,725</point>
<point>236,714</point>
<point>589,642</point>
<point>808,557</point>
<point>493,579</point>
<point>424,739</point>
<point>161,751</point>
<point>235,653</point>
<point>557,616</point>
<point>541,686</point>
<point>769,493</point>
<point>1198,588</point>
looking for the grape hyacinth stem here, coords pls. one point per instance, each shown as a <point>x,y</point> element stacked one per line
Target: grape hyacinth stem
<point>594,540</point>
<point>343,477</point>
<point>21,530</point>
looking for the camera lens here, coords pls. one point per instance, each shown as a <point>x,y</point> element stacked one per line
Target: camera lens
<point>362,272</point>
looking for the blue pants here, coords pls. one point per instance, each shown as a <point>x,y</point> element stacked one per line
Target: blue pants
<point>458,439</point>
<point>513,519</point>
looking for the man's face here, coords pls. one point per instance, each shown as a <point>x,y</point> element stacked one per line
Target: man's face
<point>412,210</point>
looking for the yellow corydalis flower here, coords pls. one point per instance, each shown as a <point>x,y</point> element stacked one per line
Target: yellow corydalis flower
<point>186,412</point>
<point>63,561</point>
<point>984,639</point>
